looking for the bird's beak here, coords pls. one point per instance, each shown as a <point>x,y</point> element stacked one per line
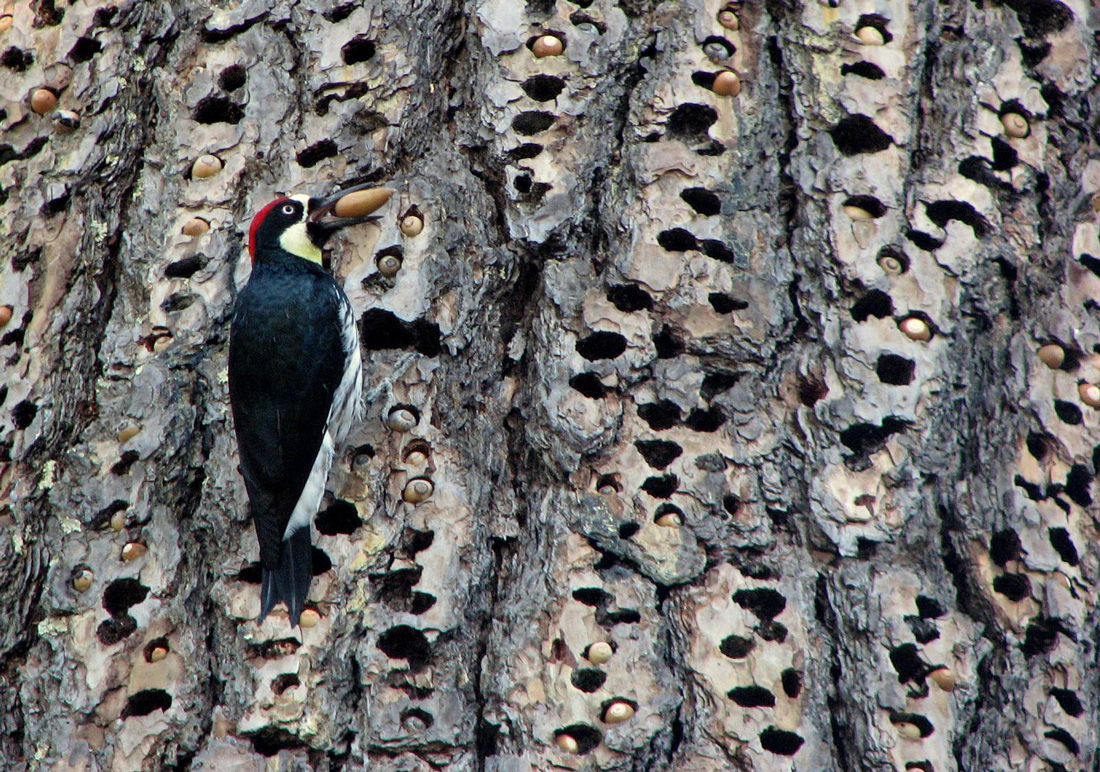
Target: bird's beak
<point>350,206</point>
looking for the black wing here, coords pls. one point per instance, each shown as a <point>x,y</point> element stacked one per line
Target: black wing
<point>285,361</point>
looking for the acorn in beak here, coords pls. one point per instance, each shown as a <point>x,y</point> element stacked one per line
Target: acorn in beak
<point>351,206</point>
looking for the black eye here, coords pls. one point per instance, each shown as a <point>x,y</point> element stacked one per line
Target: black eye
<point>288,209</point>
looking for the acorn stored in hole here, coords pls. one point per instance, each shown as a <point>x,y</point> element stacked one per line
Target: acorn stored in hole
<point>401,419</point>
<point>43,101</point>
<point>81,579</point>
<point>206,166</point>
<point>1089,393</point>
<point>128,432</point>
<point>118,521</point>
<point>1015,125</point>
<point>669,520</point>
<point>891,264</point>
<point>417,490</point>
<point>5,315</point>
<point>726,83</point>
<point>943,678</point>
<point>311,617</point>
<point>915,328</point>
<point>196,226</point>
<point>6,20</point>
<point>857,212</point>
<point>157,653</point>
<point>412,224</point>
<point>907,730</point>
<point>727,17</point>
<point>599,652</point>
<point>133,550</point>
<point>65,121</point>
<point>567,743</point>
<point>362,202</point>
<point>547,45</point>
<point>1052,355</point>
<point>389,265</point>
<point>870,36</point>
<point>618,712</point>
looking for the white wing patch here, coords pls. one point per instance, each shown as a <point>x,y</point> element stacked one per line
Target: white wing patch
<point>346,410</point>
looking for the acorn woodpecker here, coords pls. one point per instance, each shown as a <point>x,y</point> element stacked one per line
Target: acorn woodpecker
<point>295,385</point>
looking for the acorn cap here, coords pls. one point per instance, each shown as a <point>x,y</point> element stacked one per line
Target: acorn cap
<point>915,328</point>
<point>547,45</point>
<point>412,224</point>
<point>417,490</point>
<point>360,203</point>
<point>1015,125</point>
<point>1052,355</point>
<point>599,652</point>
<point>43,101</point>
<point>1089,393</point>
<point>206,166</point>
<point>726,84</point>
<point>618,712</point>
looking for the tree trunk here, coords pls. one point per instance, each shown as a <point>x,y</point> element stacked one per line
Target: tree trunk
<point>779,384</point>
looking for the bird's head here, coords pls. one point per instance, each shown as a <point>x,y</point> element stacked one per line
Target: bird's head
<point>301,225</point>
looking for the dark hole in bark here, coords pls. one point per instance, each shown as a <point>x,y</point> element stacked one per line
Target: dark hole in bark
<point>272,739</point>
<point>792,682</point>
<point>731,503</point>
<point>929,608</point>
<point>764,602</point>
<point>218,109</point>
<point>359,49</point>
<point>532,122</point>
<point>589,385</point>
<point>668,343</point>
<point>1015,587</point>
<point>668,509</point>
<point>579,17</point>
<point>316,153</point>
<point>660,415</point>
<point>924,631</point>
<point>718,40</point>
<point>1040,636</point>
<point>321,561</point>
<point>121,594</point>
<point>627,530</point>
<point>1090,262</point>
<point>522,183</point>
<point>677,240</point>
<point>17,59</point>
<point>629,298</point>
<point>878,21</point>
<point>524,151</point>
<point>691,121</point>
<point>716,250</point>
<point>187,267</point>
<point>1005,546</point>
<point>1065,738</point>
<point>943,212</point>
<point>104,17</point>
<point>916,719</point>
<point>864,439</point>
<point>875,303</point>
<point>232,77</point>
<point>811,389</point>
<point>253,573</point>
<point>922,240</point>
<point>1063,545</point>
<point>145,702</point>
<point>709,420</point>
<point>57,205</point>
<point>895,370</point>
<point>626,616</point>
<point>407,643</point>
<point>658,453</point>
<point>978,169</point>
<point>702,201</point>
<point>113,630</point>
<point>587,737</point>
<point>863,70</point>
<point>859,134</point>
<point>1004,155</point>
<point>23,414</point>
<point>588,679</point>
<point>178,301</point>
<point>284,681</point>
<point>593,596</point>
<point>1068,700</point>
<point>340,517</point>
<point>726,304</point>
<point>601,345</point>
<point>661,487</point>
<point>907,662</point>
<point>780,741</point>
<point>772,631</point>
<point>752,697</point>
<point>717,383</point>
<point>1068,412</point>
<point>736,647</point>
<point>1041,17</point>
<point>381,330</point>
<point>869,204</point>
<point>84,49</point>
<point>1031,490</point>
<point>340,12</point>
<point>543,88</point>
<point>1078,485</point>
<point>125,461</point>
<point>101,518</point>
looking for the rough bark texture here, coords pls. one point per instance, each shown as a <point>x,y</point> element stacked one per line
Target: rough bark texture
<point>655,340</point>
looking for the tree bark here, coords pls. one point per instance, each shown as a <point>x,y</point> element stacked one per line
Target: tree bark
<point>782,386</point>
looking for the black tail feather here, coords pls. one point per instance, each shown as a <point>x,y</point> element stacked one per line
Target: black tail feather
<point>289,582</point>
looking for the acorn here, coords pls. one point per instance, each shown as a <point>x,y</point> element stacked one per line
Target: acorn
<point>6,20</point>
<point>362,202</point>
<point>196,226</point>
<point>618,712</point>
<point>5,315</point>
<point>1052,355</point>
<point>907,730</point>
<point>857,212</point>
<point>943,678</point>
<point>547,45</point>
<point>417,490</point>
<point>716,51</point>
<point>891,264</point>
<point>567,743</point>
<point>1015,125</point>
<point>133,550</point>
<point>1089,393</point>
<point>81,579</point>
<point>669,520</point>
<point>599,652</point>
<point>206,166</point>
<point>127,433</point>
<point>726,83</point>
<point>389,265</point>
<point>65,121</point>
<point>118,521</point>
<point>728,19</point>
<point>310,618</point>
<point>870,36</point>
<point>915,328</point>
<point>417,457</point>
<point>157,653</point>
<point>43,101</point>
<point>412,224</point>
<point>401,419</point>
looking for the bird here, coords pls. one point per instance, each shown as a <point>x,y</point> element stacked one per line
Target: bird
<point>295,382</point>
